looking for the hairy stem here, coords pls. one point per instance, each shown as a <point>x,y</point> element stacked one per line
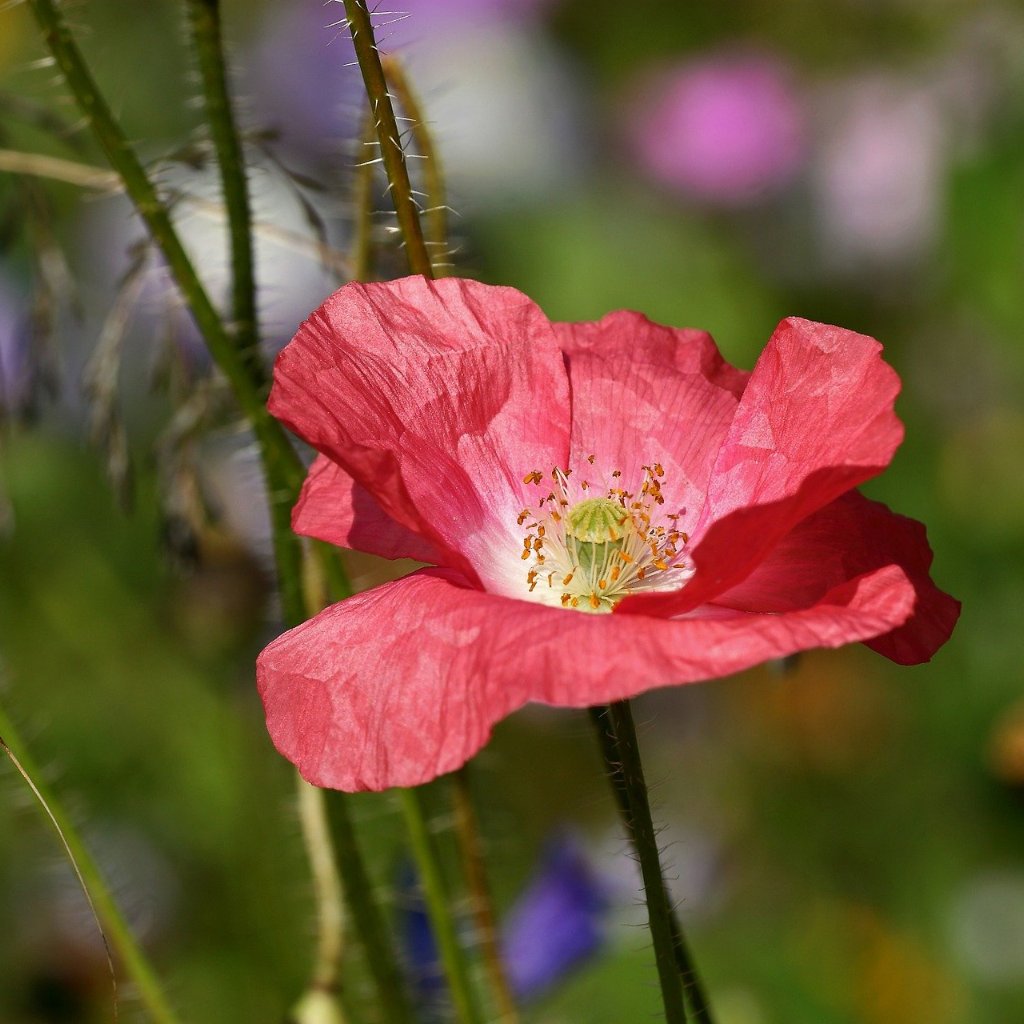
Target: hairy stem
<point>363,202</point>
<point>439,908</point>
<point>467,833</point>
<point>204,16</point>
<point>621,752</point>
<point>436,213</point>
<point>97,891</point>
<point>609,722</point>
<point>388,135</point>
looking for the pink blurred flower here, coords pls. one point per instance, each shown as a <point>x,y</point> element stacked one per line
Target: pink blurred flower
<point>723,129</point>
<point>551,471</point>
<point>879,176</point>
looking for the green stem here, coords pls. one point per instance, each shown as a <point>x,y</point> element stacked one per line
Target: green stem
<point>363,202</point>
<point>374,935</point>
<point>204,16</point>
<point>438,902</point>
<point>242,367</point>
<point>436,214</point>
<point>388,135</point>
<point>96,889</point>
<point>616,763</point>
<point>467,834</point>
<point>621,752</point>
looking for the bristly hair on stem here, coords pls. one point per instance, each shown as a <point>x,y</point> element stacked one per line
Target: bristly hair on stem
<point>620,750</point>
<point>436,212</point>
<point>388,135</point>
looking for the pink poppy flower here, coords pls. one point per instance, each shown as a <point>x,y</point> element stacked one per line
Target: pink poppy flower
<point>606,508</point>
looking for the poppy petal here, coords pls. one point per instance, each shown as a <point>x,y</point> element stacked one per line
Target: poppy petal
<point>848,537</point>
<point>436,397</point>
<point>645,394</point>
<point>816,419</point>
<point>404,682</point>
<point>334,508</point>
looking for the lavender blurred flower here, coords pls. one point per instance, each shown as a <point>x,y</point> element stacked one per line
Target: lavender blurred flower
<point>724,129</point>
<point>15,355</point>
<point>878,178</point>
<point>556,924</point>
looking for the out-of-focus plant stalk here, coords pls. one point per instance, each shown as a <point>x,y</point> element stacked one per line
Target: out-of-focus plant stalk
<point>439,908</point>
<point>112,923</point>
<point>391,151</point>
<point>620,749</point>
<point>373,933</point>
<point>326,885</point>
<point>467,834</point>
<point>204,17</point>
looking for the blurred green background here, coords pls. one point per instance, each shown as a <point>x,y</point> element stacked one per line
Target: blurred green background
<point>847,836</point>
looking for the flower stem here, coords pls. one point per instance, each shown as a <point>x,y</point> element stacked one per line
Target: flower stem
<point>436,213</point>
<point>361,256</point>
<point>467,833</point>
<point>204,16</point>
<point>391,151</point>
<point>620,749</point>
<point>326,884</point>
<point>97,892</point>
<point>438,902</point>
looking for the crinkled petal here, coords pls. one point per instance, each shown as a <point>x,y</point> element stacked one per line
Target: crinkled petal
<point>334,508</point>
<point>436,397</point>
<point>403,683</point>
<point>816,419</point>
<point>847,538</point>
<point>644,394</point>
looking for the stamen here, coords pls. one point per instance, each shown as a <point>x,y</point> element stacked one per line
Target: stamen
<point>602,549</point>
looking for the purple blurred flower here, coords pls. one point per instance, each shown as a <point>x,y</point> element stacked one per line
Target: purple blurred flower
<point>723,129</point>
<point>15,355</point>
<point>555,925</point>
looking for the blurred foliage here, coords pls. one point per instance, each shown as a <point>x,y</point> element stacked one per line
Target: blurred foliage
<point>841,828</point>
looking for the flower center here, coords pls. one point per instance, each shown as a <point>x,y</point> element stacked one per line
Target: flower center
<point>590,552</point>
